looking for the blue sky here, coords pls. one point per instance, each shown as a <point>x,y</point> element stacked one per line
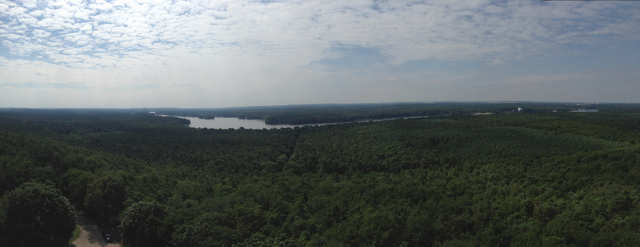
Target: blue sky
<point>236,53</point>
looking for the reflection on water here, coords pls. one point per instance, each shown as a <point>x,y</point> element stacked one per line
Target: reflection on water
<point>236,123</point>
<point>585,110</point>
<point>231,123</point>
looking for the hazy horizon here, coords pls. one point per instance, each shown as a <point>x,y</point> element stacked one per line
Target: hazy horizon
<point>524,102</point>
<point>218,54</point>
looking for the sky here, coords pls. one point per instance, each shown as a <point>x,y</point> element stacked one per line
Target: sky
<point>98,53</point>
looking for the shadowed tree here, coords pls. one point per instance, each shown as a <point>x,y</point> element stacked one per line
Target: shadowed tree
<point>38,216</point>
<point>143,224</point>
<point>105,198</point>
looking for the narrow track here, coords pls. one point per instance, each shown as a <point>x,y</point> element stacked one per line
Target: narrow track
<point>90,235</point>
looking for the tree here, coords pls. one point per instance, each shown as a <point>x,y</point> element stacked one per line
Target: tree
<point>74,185</point>
<point>105,199</point>
<point>37,215</point>
<point>143,224</point>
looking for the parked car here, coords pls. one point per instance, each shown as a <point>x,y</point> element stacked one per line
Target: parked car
<point>107,237</point>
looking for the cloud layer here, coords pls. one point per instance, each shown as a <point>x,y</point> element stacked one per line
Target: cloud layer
<point>219,53</point>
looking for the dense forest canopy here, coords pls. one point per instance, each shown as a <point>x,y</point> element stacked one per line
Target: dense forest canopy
<point>542,176</point>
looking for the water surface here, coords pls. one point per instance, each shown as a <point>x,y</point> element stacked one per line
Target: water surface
<point>236,123</point>
<point>232,123</point>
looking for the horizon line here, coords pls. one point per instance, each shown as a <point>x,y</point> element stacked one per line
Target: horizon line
<point>332,104</point>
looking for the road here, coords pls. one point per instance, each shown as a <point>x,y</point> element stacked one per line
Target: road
<point>90,235</point>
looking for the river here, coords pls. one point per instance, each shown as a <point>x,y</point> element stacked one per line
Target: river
<point>236,123</point>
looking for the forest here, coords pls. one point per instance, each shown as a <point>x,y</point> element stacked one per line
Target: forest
<point>543,176</point>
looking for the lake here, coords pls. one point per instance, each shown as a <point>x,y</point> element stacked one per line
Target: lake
<point>232,123</point>
<point>236,123</point>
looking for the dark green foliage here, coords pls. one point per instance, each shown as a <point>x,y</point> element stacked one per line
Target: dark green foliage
<point>510,179</point>
<point>104,199</point>
<point>143,224</point>
<point>74,185</point>
<point>3,219</point>
<point>36,215</point>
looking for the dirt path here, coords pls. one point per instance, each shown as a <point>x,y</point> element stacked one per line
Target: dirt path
<point>90,235</point>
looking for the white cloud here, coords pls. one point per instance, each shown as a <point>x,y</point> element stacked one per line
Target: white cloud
<point>40,33</point>
<point>119,43</point>
<point>448,30</point>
